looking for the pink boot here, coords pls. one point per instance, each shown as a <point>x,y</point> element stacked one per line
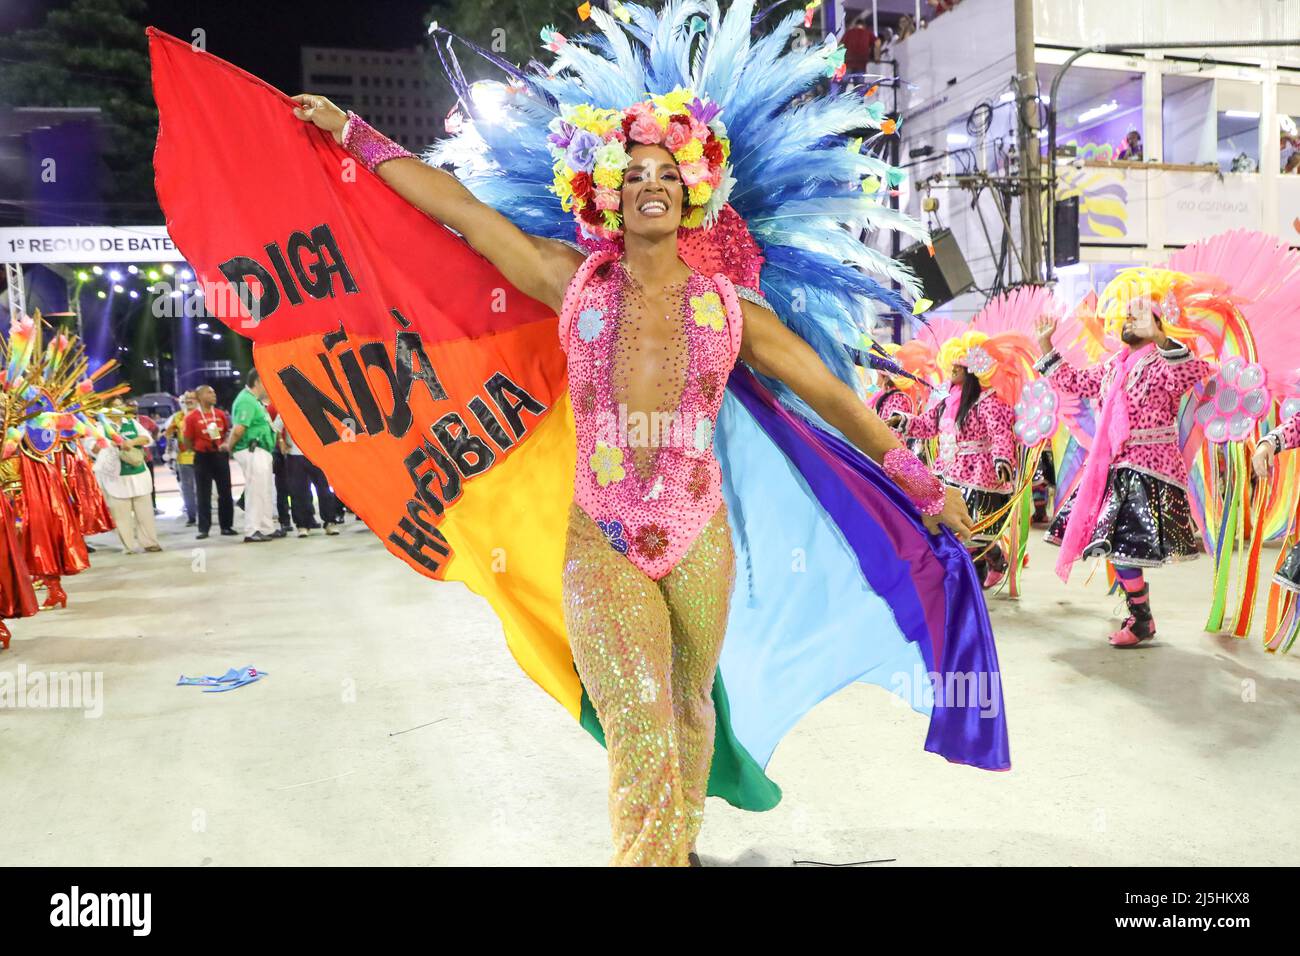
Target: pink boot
<point>994,578</point>
<point>1139,628</point>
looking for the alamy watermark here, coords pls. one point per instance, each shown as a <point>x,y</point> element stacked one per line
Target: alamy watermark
<point>53,690</point>
<point>688,430</point>
<point>922,689</point>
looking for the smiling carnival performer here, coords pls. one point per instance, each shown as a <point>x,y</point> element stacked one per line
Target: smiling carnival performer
<point>665,140</point>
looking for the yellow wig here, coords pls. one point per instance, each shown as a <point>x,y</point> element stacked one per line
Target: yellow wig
<point>1187,306</point>
<point>1002,362</point>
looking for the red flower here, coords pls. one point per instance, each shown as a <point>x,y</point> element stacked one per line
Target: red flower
<point>699,481</point>
<point>713,151</point>
<point>651,540</point>
<point>582,185</point>
<point>627,128</point>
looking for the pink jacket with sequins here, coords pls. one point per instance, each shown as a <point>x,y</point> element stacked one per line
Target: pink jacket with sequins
<point>1153,391</point>
<point>1288,432</point>
<point>984,440</point>
<point>891,402</point>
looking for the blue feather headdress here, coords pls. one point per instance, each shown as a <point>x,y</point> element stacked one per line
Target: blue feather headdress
<point>803,188</point>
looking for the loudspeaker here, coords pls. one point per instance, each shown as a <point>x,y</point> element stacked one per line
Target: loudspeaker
<point>1065,233</point>
<point>944,275</point>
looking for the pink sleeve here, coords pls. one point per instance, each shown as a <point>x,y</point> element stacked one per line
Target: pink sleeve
<point>897,402</point>
<point>735,316</point>
<point>999,419</point>
<point>923,425</point>
<point>573,293</point>
<point>1289,431</point>
<point>1182,374</point>
<point>1086,383</point>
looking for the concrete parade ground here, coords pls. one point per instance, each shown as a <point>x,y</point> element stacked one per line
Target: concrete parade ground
<point>395,728</point>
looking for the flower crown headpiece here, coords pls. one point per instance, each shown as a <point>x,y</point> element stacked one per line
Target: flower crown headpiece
<point>591,148</point>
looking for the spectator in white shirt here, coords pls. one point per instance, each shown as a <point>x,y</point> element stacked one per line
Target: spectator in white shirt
<point>127,484</point>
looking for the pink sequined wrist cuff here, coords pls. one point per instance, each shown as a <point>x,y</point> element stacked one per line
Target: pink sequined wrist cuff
<point>368,144</point>
<point>907,471</point>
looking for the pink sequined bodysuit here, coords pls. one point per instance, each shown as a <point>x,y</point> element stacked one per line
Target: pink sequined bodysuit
<point>647,475</point>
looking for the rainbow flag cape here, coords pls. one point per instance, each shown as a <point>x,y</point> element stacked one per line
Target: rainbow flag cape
<point>434,396</point>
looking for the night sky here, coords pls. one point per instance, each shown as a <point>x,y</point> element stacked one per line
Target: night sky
<point>264,36</point>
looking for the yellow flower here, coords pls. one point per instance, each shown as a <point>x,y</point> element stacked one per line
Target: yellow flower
<point>726,146</point>
<point>675,102</point>
<point>694,218</point>
<point>598,121</point>
<point>706,310</point>
<point>699,194</point>
<point>609,177</point>
<point>689,153</point>
<point>607,462</point>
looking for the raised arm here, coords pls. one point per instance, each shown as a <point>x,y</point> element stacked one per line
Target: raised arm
<point>771,349</point>
<point>1086,383</point>
<point>539,268</point>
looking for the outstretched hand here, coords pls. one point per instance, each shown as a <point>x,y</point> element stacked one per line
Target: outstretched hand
<point>954,516</point>
<point>1262,460</point>
<point>1045,328</point>
<point>317,109</point>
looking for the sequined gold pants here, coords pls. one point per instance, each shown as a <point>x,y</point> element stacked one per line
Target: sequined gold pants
<point>647,652</point>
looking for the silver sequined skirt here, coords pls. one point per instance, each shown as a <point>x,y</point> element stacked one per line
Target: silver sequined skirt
<point>981,504</point>
<point>1144,522</point>
<point>1288,575</point>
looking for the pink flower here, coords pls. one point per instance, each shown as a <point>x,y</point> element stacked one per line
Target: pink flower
<point>693,173</point>
<point>606,198</point>
<point>645,130</point>
<point>678,135</point>
<point>715,176</point>
<point>699,130</point>
<point>637,110</point>
<point>616,134</point>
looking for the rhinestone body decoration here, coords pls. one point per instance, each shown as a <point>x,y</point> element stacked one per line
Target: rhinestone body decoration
<point>649,392</point>
<point>910,474</point>
<point>369,145</point>
<point>649,564</point>
<point>647,652</point>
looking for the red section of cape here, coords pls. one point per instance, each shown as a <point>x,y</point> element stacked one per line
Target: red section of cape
<point>52,538</point>
<point>17,597</point>
<point>91,508</point>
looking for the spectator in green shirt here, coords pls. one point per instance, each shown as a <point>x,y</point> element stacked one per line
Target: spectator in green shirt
<point>252,440</point>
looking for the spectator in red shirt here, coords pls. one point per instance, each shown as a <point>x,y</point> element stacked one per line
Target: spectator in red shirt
<point>205,429</point>
<point>859,46</point>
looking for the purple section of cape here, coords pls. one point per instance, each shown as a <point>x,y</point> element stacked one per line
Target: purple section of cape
<point>928,581</point>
